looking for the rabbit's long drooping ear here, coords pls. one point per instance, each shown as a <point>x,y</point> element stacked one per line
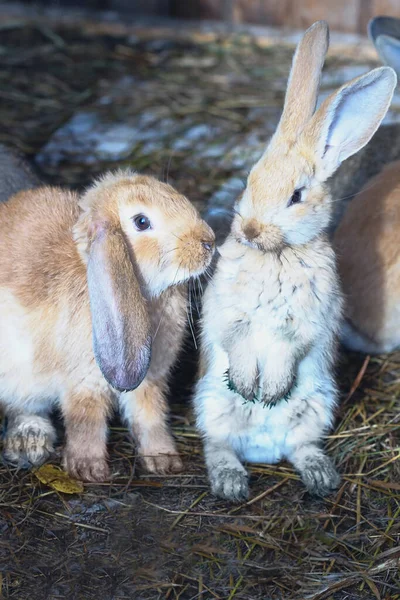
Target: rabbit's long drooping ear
<point>347,120</point>
<point>304,79</point>
<point>120,322</point>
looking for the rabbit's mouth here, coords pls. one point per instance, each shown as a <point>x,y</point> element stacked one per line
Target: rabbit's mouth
<point>189,261</point>
<point>194,251</point>
<point>265,238</point>
<point>262,246</point>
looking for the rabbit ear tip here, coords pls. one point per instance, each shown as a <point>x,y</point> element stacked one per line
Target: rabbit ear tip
<point>391,73</point>
<point>319,25</point>
<point>322,24</point>
<point>127,379</point>
<point>318,33</point>
<point>387,73</point>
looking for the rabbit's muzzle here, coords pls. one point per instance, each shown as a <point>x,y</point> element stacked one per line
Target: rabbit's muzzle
<point>267,238</point>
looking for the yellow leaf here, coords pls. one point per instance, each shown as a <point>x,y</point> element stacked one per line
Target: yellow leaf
<point>58,479</point>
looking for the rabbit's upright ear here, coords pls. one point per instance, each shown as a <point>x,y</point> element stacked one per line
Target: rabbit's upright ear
<point>384,33</point>
<point>304,79</point>
<point>347,120</point>
<point>389,50</point>
<point>120,321</point>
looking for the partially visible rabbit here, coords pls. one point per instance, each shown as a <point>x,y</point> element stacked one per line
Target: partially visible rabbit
<point>92,314</point>
<point>15,174</point>
<point>367,242</point>
<point>367,238</point>
<point>273,309</point>
<point>385,35</point>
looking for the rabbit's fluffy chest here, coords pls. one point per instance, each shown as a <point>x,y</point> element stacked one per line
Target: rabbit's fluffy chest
<point>283,296</point>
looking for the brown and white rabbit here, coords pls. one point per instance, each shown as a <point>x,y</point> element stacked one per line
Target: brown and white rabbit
<point>367,238</point>
<point>272,311</point>
<point>92,314</point>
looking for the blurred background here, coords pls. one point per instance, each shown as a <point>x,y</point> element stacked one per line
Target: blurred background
<point>343,15</point>
<point>188,91</point>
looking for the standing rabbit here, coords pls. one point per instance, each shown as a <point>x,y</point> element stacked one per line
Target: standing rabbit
<point>272,311</point>
<point>92,314</point>
<point>367,238</point>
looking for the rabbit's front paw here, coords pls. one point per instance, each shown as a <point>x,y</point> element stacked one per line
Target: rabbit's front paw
<point>319,475</point>
<point>91,469</point>
<point>28,441</point>
<point>159,455</point>
<point>272,392</point>
<point>230,483</point>
<point>162,463</point>
<point>247,388</point>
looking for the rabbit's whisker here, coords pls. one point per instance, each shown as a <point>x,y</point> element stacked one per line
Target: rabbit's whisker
<point>190,320</point>
<point>363,189</point>
<point>168,167</point>
<point>177,236</point>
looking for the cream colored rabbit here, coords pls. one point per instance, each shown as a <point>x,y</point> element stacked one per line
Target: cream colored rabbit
<point>272,311</point>
<point>368,237</point>
<point>92,314</point>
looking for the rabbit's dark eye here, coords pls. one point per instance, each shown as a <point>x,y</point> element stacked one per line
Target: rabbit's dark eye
<point>142,222</point>
<point>295,199</point>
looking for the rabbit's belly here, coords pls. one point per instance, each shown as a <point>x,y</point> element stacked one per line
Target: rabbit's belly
<point>260,446</point>
<point>265,435</point>
<point>27,396</point>
<point>20,387</point>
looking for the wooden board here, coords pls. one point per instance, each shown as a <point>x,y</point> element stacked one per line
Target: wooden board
<point>342,15</point>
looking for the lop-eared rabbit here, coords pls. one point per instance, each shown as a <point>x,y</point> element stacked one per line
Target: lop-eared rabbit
<point>272,311</point>
<point>92,315</point>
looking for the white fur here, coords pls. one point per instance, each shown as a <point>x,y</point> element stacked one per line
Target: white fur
<point>19,385</point>
<point>29,440</point>
<point>282,323</point>
<point>272,312</point>
<point>355,114</point>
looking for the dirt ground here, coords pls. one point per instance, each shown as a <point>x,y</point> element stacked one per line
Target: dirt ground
<point>195,108</point>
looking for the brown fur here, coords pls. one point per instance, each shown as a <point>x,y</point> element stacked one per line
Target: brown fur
<point>52,244</point>
<point>85,416</point>
<point>45,237</point>
<point>158,452</point>
<point>367,242</point>
<point>302,89</point>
